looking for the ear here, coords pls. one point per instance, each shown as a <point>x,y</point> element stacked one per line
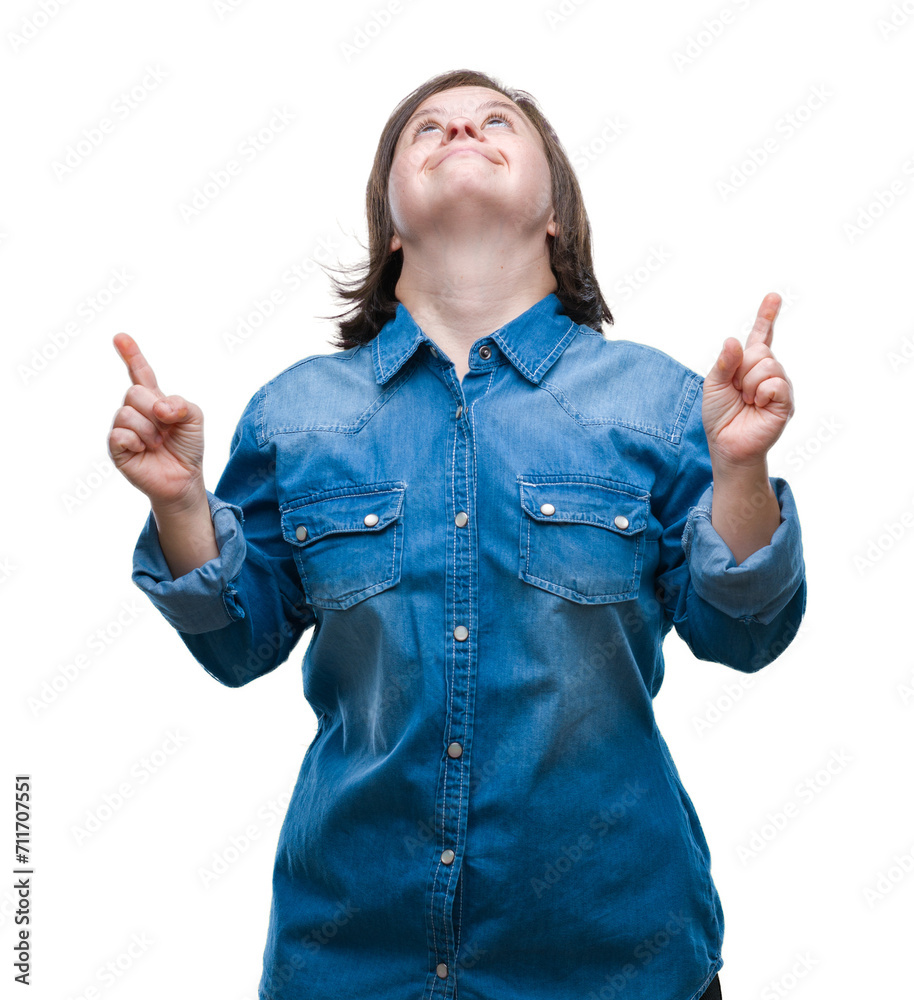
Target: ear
<point>552,226</point>
<point>395,243</point>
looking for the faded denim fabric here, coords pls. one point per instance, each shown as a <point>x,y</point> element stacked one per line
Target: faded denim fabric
<point>488,810</point>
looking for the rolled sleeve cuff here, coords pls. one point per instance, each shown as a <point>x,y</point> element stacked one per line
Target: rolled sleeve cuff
<point>203,599</point>
<point>760,587</point>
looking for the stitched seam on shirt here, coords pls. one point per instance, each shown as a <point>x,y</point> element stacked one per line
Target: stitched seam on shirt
<point>364,416</point>
<point>225,604</point>
<point>398,361</point>
<point>454,655</point>
<point>458,430</point>
<point>688,533</point>
<point>680,790</point>
<point>688,401</point>
<point>562,591</point>
<point>471,416</point>
<point>459,915</point>
<point>471,638</point>
<point>549,360</point>
<point>546,362</point>
<point>697,995</point>
<point>546,479</point>
<point>452,584</point>
<point>672,437</point>
<point>344,492</point>
<point>259,407</point>
<point>685,540</point>
<point>376,356</point>
<point>409,349</point>
<point>484,393</point>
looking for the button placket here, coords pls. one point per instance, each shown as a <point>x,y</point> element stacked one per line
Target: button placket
<point>457,711</point>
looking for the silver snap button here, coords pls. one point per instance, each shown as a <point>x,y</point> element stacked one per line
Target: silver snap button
<point>461,519</point>
<point>447,857</point>
<point>441,969</point>
<point>454,749</point>
<point>460,633</point>
<point>371,519</point>
<point>620,522</point>
<point>459,410</point>
<point>485,352</point>
<point>301,532</point>
<point>547,508</point>
<point>432,351</point>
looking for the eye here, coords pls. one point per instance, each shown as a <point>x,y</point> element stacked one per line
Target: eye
<point>420,127</point>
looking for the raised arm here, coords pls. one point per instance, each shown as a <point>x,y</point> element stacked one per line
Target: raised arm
<point>731,576</point>
<point>214,564</point>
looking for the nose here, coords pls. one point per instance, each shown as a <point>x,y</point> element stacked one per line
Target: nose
<point>460,126</point>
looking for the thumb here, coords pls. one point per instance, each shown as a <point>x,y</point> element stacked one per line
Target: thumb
<point>726,365</point>
<point>174,410</point>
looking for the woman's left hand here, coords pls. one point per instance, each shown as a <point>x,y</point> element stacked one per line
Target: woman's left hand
<point>748,398</point>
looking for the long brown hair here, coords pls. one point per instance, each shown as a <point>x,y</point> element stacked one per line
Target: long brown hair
<point>373,292</point>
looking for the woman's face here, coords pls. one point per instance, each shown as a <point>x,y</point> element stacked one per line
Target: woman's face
<point>469,154</point>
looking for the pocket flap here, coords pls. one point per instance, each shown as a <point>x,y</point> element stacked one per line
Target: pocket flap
<point>615,507</point>
<point>363,509</point>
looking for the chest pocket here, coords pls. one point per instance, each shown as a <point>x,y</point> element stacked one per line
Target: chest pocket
<point>348,542</point>
<point>582,540</point>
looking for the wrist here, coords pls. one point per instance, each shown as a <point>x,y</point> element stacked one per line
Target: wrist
<point>753,472</point>
<point>189,504</point>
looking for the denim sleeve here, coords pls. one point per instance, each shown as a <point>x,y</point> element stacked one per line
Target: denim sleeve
<point>203,599</point>
<point>742,615</point>
<point>241,613</point>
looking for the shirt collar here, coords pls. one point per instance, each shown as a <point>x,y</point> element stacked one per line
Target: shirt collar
<point>532,341</point>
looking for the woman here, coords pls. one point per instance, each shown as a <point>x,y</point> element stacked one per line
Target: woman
<point>491,515</point>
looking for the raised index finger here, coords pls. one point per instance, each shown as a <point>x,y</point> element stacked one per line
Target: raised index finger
<point>139,368</point>
<point>763,329</point>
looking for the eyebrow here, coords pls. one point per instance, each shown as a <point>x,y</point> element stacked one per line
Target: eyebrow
<point>485,106</point>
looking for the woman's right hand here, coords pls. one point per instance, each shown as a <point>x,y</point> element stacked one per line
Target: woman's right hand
<point>155,440</point>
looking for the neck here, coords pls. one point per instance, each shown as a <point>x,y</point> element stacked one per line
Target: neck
<point>459,291</point>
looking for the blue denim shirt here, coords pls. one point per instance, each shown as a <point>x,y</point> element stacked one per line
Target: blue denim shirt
<point>489,567</point>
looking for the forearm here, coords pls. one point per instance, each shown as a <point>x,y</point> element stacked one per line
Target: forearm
<point>744,508</point>
<point>186,534</point>
<point>242,614</point>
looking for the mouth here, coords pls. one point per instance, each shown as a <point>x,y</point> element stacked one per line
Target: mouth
<point>462,149</point>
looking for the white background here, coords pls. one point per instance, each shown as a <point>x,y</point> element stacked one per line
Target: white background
<point>689,105</point>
